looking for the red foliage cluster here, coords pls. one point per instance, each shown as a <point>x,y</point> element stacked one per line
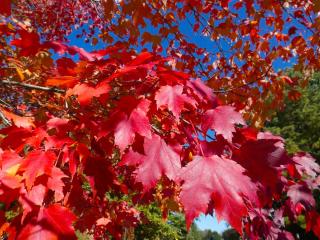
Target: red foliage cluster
<point>238,46</point>
<point>111,129</point>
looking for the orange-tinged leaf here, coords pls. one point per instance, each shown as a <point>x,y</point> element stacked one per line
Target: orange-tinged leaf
<point>24,122</point>
<point>20,73</point>
<point>62,81</point>
<point>85,93</point>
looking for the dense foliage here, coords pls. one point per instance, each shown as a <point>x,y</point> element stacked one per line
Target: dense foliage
<point>298,122</point>
<point>90,138</point>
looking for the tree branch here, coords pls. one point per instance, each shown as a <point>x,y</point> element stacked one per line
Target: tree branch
<point>31,86</point>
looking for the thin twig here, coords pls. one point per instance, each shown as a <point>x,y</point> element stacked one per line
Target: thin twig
<point>245,84</point>
<point>31,86</point>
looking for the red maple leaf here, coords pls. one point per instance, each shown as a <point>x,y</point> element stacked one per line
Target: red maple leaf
<point>313,222</point>
<point>305,163</point>
<point>101,176</point>
<point>261,159</point>
<point>142,58</point>
<point>36,164</point>
<point>53,222</point>
<point>128,126</point>
<point>301,193</point>
<point>85,93</point>
<point>24,122</point>
<point>215,178</point>
<point>159,159</point>
<point>29,42</point>
<point>62,48</point>
<point>10,162</point>
<point>202,91</point>
<point>222,120</point>
<point>173,99</point>
<point>32,199</point>
<point>56,184</point>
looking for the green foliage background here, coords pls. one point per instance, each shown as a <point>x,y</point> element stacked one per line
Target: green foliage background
<point>299,122</point>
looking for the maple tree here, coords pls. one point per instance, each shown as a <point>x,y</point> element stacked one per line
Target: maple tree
<point>90,136</point>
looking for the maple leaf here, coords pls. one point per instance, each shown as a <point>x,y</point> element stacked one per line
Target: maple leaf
<point>61,125</point>
<point>24,122</point>
<point>301,193</point>
<point>305,163</point>
<point>56,184</point>
<point>36,194</point>
<point>36,164</point>
<point>31,200</point>
<point>173,99</point>
<point>53,222</point>
<point>222,120</point>
<point>29,42</point>
<point>60,218</point>
<point>261,159</point>
<point>66,66</point>
<point>62,81</point>
<point>202,91</point>
<point>313,222</point>
<point>14,137</point>
<point>142,58</point>
<point>128,126</point>
<point>159,159</point>
<point>10,163</point>
<point>101,176</point>
<point>85,93</point>
<point>62,48</point>
<point>216,178</point>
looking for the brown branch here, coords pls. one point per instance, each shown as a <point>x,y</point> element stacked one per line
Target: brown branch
<point>31,86</point>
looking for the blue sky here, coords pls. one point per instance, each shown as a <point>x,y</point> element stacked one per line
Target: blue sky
<point>210,222</point>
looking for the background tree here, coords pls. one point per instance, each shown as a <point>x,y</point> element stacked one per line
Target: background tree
<point>230,234</point>
<point>298,122</point>
<point>155,227</point>
<point>211,235</point>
